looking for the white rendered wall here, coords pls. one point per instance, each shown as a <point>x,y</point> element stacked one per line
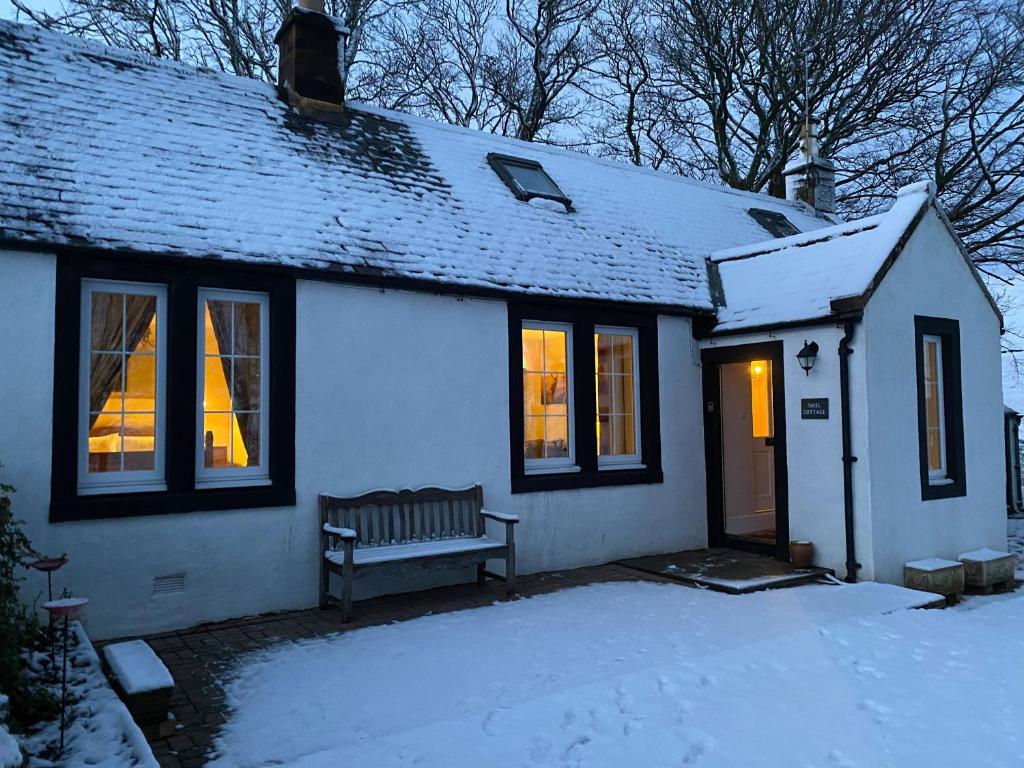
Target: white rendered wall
<point>393,389</point>
<point>930,278</point>
<point>815,447</point>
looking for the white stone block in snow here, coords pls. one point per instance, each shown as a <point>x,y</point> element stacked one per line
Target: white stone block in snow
<point>137,668</point>
<point>987,567</point>
<point>933,574</point>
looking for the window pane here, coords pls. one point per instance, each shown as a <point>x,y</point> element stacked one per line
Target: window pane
<point>604,393</point>
<point>247,384</point>
<point>533,386</point>
<point>554,351</point>
<point>140,326</point>
<point>107,328</point>
<point>105,381</point>
<point>934,450</point>
<point>247,329</point>
<point>761,419</point>
<point>139,441</point>
<point>533,350</point>
<point>556,437</point>
<point>555,389</point>
<point>217,440</point>
<point>246,446</point>
<point>533,437</point>
<point>140,383</point>
<point>105,442</point>
<point>604,435</point>
<point>532,179</point>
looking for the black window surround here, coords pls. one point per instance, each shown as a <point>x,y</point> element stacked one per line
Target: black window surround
<point>183,282</point>
<point>953,411</point>
<point>773,222</point>
<point>504,166</point>
<point>584,414</point>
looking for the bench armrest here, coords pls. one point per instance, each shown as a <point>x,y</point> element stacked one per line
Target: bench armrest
<point>501,517</point>
<point>345,534</point>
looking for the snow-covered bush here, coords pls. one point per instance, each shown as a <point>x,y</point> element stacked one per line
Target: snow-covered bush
<point>19,628</point>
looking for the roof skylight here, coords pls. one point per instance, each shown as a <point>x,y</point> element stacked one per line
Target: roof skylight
<point>773,221</point>
<point>527,179</point>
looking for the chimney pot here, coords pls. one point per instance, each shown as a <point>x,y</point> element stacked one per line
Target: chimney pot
<point>313,5</point>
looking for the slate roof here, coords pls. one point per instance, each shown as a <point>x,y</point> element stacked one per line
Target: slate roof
<point>115,150</point>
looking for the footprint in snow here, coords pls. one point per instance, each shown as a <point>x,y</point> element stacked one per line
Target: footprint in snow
<point>624,700</point>
<point>665,684</point>
<point>633,727</point>
<point>838,759</point>
<point>492,725</point>
<point>705,681</point>
<point>880,711</point>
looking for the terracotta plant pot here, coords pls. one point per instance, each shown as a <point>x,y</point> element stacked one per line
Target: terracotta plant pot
<point>801,553</point>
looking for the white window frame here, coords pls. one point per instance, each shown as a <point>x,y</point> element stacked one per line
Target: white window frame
<point>231,477</point>
<point>936,476</point>
<point>634,460</point>
<point>559,463</point>
<point>123,481</point>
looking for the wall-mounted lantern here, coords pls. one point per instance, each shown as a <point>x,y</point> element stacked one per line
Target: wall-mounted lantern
<point>807,356</point>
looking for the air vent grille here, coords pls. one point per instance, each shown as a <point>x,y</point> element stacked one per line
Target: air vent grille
<point>169,585</point>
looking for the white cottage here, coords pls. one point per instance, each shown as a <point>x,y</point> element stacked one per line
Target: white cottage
<point>221,299</point>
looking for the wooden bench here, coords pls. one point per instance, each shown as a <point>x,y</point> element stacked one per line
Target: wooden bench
<point>404,532</point>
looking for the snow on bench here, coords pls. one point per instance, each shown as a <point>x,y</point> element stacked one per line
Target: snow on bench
<point>401,531</point>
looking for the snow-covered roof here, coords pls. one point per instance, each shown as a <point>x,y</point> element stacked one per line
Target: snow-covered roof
<point>795,279</point>
<point>115,150</point>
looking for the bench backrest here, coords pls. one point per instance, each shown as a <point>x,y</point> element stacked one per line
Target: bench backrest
<point>380,518</point>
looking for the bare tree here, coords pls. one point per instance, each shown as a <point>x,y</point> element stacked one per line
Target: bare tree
<point>431,59</point>
<point>757,67</point>
<point>968,137</point>
<point>229,35</point>
<point>540,58</point>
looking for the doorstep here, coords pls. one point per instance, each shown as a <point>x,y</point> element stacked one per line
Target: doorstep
<point>726,570</point>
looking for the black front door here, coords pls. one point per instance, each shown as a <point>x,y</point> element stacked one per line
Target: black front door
<point>745,447</point>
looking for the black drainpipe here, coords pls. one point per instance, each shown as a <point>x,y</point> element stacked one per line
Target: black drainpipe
<point>848,458</point>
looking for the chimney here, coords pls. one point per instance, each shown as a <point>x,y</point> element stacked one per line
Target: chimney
<point>309,45</point>
<point>811,177</point>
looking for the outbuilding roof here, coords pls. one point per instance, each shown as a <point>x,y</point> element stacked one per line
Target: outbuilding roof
<point>820,274</point>
<point>115,150</point>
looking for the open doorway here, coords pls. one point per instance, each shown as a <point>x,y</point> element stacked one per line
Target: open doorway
<point>745,447</point>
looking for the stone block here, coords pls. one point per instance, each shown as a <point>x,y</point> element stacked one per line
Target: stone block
<point>941,577</point>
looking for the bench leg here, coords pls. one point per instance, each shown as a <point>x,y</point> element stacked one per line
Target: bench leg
<point>347,579</point>
<point>510,560</point>
<point>481,573</point>
<point>325,583</point>
<point>346,598</point>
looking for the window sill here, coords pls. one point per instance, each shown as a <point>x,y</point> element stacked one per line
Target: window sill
<point>613,466</point>
<point>232,482</point>
<point>118,505</point>
<point>940,481</point>
<point>564,469</point>
<point>632,475</point>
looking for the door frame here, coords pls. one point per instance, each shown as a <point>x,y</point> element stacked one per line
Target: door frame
<point>712,358</point>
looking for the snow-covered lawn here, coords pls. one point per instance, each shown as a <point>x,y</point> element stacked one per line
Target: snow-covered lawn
<point>644,674</point>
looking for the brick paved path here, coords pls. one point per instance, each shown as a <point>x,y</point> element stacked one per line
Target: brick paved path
<point>198,656</point>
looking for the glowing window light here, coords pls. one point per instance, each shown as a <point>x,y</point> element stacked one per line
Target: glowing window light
<point>761,398</point>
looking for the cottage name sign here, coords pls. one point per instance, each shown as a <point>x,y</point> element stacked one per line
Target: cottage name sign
<point>814,408</point>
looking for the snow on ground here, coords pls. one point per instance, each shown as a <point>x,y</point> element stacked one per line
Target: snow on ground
<point>644,674</point>
<point>100,731</point>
